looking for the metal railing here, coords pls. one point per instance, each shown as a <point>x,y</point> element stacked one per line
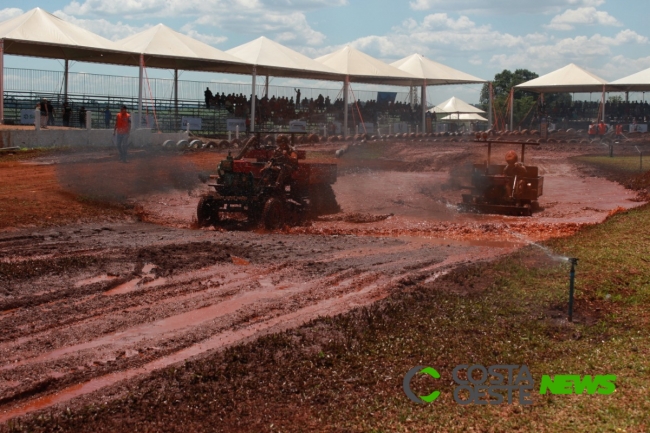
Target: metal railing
<point>52,82</point>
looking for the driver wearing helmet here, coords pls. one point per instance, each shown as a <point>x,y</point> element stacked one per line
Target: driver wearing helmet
<point>514,169</point>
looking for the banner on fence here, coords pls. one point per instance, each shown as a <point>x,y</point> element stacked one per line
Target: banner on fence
<point>232,124</point>
<point>27,117</point>
<point>638,127</point>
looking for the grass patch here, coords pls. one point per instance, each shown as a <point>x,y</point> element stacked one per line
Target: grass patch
<point>345,373</point>
<point>627,164</point>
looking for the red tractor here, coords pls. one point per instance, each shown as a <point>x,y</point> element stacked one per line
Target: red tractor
<point>268,184</point>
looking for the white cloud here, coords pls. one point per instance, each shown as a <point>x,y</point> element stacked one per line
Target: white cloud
<point>588,15</point>
<point>279,19</point>
<point>8,13</point>
<point>501,6</point>
<point>439,33</point>
<point>176,8</point>
<point>208,39</point>
<point>281,26</point>
<point>581,50</point>
<point>621,66</point>
<point>102,27</point>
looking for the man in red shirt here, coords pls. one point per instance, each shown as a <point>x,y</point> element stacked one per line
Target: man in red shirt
<point>121,132</point>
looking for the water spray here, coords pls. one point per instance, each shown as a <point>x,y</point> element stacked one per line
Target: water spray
<point>572,275</point>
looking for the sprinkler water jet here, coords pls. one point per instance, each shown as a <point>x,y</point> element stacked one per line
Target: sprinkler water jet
<point>572,274</point>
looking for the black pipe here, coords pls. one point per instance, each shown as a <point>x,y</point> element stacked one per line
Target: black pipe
<point>572,276</point>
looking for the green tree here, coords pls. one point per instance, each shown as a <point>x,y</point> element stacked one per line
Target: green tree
<point>501,85</point>
<point>506,80</point>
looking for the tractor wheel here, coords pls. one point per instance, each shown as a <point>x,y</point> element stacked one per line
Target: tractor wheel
<point>273,214</point>
<point>207,212</point>
<point>322,200</point>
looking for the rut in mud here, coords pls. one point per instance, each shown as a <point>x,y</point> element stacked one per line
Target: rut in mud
<point>80,304</point>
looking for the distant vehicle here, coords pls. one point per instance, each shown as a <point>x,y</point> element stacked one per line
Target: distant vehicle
<point>493,192</point>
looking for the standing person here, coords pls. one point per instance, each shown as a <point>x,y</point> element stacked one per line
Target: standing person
<point>67,114</point>
<point>44,115</point>
<point>297,97</point>
<point>50,113</point>
<point>121,132</point>
<point>208,97</point>
<point>82,117</point>
<point>107,117</point>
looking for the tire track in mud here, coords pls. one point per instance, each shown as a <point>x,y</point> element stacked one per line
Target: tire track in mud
<point>67,348</point>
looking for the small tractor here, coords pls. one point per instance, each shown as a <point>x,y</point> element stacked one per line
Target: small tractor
<point>496,191</point>
<point>268,184</point>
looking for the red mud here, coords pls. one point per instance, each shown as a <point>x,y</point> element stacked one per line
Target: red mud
<point>87,305</point>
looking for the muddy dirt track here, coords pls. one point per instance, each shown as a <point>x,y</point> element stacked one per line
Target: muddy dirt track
<point>120,284</point>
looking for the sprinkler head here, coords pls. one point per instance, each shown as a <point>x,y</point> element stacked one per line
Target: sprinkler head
<point>573,260</point>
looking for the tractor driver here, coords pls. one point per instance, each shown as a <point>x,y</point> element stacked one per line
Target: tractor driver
<point>514,169</point>
<point>283,163</point>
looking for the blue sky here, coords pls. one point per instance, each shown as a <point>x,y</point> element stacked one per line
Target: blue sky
<point>480,37</point>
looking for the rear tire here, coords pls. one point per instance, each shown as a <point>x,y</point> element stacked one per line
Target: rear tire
<point>273,214</point>
<point>207,212</point>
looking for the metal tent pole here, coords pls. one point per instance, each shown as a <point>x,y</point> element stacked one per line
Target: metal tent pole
<point>512,109</point>
<point>253,100</point>
<point>424,106</point>
<point>176,127</point>
<point>603,102</point>
<point>66,73</point>
<point>346,84</point>
<point>140,85</point>
<point>490,105</point>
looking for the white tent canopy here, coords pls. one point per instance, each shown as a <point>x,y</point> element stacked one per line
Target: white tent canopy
<point>40,34</point>
<point>455,105</point>
<point>466,117</point>
<point>362,68</point>
<point>433,72</point>
<point>162,47</point>
<point>639,82</point>
<point>272,58</point>
<point>570,78</point>
<point>430,72</point>
<point>166,48</point>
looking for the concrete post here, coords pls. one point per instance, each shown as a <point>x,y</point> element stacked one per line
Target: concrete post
<point>37,119</point>
<point>89,120</point>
